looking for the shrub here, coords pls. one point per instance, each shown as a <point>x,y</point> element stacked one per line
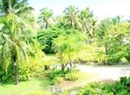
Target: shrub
<point>117,88</point>
<point>57,80</point>
<point>6,76</point>
<point>56,73</point>
<point>72,76</point>
<point>25,74</point>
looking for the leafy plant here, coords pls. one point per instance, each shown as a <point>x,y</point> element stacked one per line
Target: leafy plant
<point>56,73</point>
<point>57,80</point>
<point>71,76</point>
<point>116,88</point>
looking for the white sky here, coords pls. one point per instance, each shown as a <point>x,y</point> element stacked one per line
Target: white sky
<point>102,8</point>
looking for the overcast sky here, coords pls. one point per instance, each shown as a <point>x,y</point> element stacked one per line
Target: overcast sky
<point>102,8</point>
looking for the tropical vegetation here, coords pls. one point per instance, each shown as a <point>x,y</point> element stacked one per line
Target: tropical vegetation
<point>51,46</point>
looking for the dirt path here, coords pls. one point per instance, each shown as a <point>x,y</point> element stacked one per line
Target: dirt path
<point>112,73</point>
<point>102,73</point>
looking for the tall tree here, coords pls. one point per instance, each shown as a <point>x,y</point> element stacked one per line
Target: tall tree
<point>16,29</point>
<point>14,6</point>
<point>71,19</point>
<point>110,35</point>
<point>14,37</point>
<point>67,47</point>
<point>87,22</point>
<point>45,18</point>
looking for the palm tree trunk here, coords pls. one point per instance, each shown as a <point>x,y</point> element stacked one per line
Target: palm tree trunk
<point>15,69</point>
<point>15,73</point>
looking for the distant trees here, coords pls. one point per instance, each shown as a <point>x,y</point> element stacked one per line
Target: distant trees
<point>97,33</point>
<point>111,34</point>
<point>71,19</point>
<point>88,23</point>
<point>45,18</point>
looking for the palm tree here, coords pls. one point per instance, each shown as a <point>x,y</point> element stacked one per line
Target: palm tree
<point>45,18</point>
<point>87,22</point>
<point>71,17</point>
<point>14,43</point>
<point>17,7</point>
<point>102,32</point>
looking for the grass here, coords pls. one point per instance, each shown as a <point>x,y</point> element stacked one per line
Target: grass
<point>41,85</point>
<point>34,85</point>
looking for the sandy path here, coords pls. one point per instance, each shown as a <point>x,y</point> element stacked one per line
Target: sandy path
<point>107,72</point>
<point>101,72</point>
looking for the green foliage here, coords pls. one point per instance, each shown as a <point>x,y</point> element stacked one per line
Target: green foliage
<point>94,89</point>
<point>125,81</point>
<point>67,47</point>
<point>6,77</point>
<point>116,88</point>
<point>72,37</point>
<point>57,76</point>
<point>72,76</point>
<point>56,73</point>
<point>25,73</point>
<point>15,36</point>
<point>45,18</point>
<point>113,36</point>
<point>28,71</point>
<point>45,38</point>
<point>57,80</point>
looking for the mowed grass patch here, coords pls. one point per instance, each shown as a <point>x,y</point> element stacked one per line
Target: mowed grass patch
<point>34,85</point>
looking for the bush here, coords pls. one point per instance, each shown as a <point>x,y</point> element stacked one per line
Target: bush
<point>72,76</point>
<point>56,73</point>
<point>45,38</point>
<point>94,89</point>
<point>117,88</point>
<point>25,73</point>
<point>6,76</point>
<point>57,76</point>
<point>57,80</point>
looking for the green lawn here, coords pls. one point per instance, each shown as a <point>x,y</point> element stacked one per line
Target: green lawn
<point>34,85</point>
<point>42,85</point>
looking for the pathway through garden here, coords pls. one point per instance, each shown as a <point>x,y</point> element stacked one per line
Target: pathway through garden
<point>103,73</point>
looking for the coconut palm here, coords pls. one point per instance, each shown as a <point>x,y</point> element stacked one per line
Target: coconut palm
<point>87,22</point>
<point>71,17</point>
<point>17,7</point>
<point>45,18</point>
<point>14,43</point>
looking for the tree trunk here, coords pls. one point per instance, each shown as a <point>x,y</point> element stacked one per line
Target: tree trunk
<point>46,67</point>
<point>15,73</point>
<point>106,51</point>
<point>15,68</point>
<point>62,67</point>
<point>71,66</point>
